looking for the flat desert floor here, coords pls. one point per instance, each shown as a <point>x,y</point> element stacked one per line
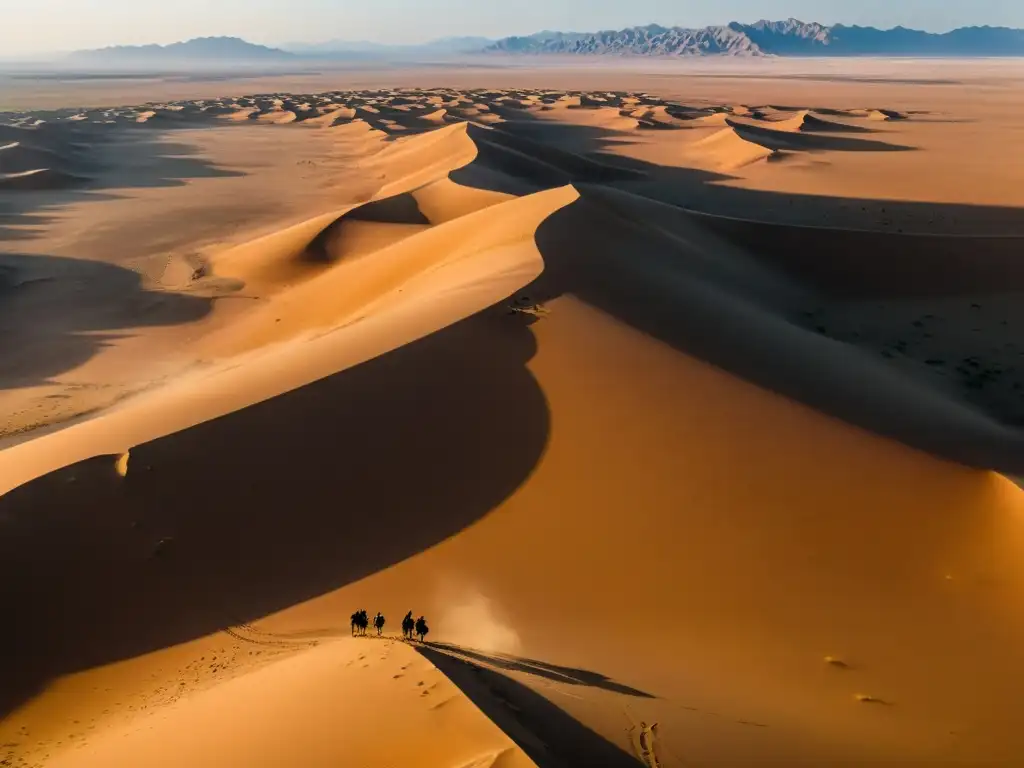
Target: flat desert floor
<point>686,404</point>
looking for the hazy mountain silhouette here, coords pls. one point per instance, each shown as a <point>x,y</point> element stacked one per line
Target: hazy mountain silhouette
<point>362,49</point>
<point>202,50</point>
<point>771,38</point>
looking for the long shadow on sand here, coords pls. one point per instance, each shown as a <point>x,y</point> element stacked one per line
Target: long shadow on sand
<point>776,139</point>
<point>606,250</point>
<point>549,736</point>
<point>592,252</point>
<point>97,159</point>
<point>266,507</point>
<point>711,191</point>
<point>74,307</point>
<point>543,669</point>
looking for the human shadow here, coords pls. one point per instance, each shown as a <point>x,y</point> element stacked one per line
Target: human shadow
<point>266,507</point>
<point>543,669</point>
<point>550,736</point>
<point>56,313</point>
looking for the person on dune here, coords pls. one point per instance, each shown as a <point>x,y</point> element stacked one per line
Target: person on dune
<point>408,623</point>
<point>421,628</point>
<point>359,622</point>
<point>378,622</point>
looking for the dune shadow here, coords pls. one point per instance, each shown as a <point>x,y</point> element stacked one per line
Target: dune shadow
<point>592,251</point>
<point>543,669</point>
<point>871,264</point>
<point>97,162</point>
<point>814,124</point>
<point>266,507</point>
<point>550,736</point>
<point>399,209</point>
<point>813,139</point>
<point>56,313</point>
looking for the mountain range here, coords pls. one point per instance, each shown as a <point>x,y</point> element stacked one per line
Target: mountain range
<point>443,45</point>
<point>770,38</point>
<point>197,51</point>
<point>763,38</point>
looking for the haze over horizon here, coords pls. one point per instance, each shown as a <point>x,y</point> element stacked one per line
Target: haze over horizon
<point>65,25</point>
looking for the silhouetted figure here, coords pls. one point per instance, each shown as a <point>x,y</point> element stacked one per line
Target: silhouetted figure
<point>422,628</point>
<point>407,626</point>
<point>360,622</point>
<point>378,622</point>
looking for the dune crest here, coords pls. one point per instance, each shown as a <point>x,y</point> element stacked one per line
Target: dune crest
<point>500,233</point>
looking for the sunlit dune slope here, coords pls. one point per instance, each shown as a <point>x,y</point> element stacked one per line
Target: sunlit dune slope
<point>348,702</point>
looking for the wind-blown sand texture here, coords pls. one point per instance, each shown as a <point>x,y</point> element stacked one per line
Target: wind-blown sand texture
<point>687,424</point>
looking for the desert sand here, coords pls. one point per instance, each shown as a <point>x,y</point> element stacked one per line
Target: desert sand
<point>687,408</point>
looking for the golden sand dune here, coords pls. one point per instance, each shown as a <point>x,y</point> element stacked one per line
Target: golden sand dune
<point>726,149</point>
<point>884,115</point>
<point>264,717</point>
<point>405,255</point>
<point>809,133</point>
<point>277,116</point>
<point>672,486</point>
<point>436,117</point>
<point>658,116</point>
<point>807,121</point>
<point>327,119</point>
<point>715,118</point>
<point>608,118</point>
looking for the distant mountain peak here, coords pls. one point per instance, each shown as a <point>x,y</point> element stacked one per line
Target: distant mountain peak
<point>789,37</point>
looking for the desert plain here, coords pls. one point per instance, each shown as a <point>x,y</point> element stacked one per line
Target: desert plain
<point>686,403</point>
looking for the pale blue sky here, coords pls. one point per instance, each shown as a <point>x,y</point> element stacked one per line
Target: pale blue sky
<point>55,25</point>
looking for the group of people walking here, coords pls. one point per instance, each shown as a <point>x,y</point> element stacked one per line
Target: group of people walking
<point>410,627</point>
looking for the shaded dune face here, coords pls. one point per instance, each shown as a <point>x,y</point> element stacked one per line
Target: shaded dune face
<point>244,544</point>
<point>607,416</point>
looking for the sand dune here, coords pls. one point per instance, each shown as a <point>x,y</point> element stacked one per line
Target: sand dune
<point>416,161</point>
<point>38,179</point>
<point>307,698</point>
<point>436,117</point>
<point>658,116</point>
<point>277,116</point>
<point>457,368</point>
<point>885,115</point>
<point>608,118</point>
<point>728,150</point>
<point>409,255</point>
<point>807,121</point>
<point>795,135</point>
<point>327,119</point>
<point>18,158</point>
<point>716,118</point>
<point>358,129</point>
